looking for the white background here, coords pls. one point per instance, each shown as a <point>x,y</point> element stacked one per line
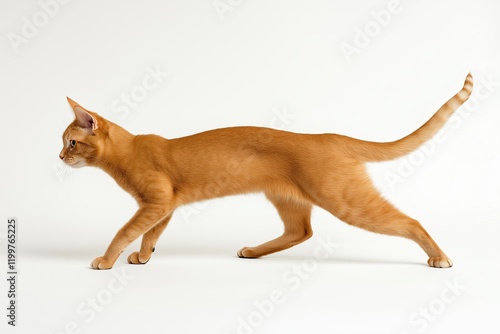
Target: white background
<point>245,66</point>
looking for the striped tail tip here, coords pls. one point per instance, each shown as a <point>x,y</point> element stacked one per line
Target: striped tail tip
<point>466,91</point>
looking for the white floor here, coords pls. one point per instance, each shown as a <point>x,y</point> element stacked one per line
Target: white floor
<point>354,282</point>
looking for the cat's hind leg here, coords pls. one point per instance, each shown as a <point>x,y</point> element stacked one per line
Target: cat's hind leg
<point>296,217</point>
<point>359,204</point>
<point>148,244</point>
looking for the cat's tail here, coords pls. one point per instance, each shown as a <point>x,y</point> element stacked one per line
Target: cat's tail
<point>379,151</point>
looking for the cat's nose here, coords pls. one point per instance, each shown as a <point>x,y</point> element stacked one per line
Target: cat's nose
<point>61,156</point>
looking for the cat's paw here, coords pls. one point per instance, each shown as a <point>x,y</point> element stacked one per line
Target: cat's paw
<point>440,262</point>
<point>137,258</point>
<point>247,253</point>
<point>101,264</point>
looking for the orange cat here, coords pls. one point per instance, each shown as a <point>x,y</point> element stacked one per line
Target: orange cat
<point>295,171</point>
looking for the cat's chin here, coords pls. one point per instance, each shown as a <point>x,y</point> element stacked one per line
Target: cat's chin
<point>78,164</point>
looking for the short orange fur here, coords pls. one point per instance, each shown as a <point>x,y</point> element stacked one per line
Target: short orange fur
<point>295,171</point>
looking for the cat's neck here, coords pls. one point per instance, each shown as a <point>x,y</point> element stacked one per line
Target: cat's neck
<point>114,156</point>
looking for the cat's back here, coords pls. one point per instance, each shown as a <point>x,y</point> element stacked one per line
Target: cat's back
<point>241,136</point>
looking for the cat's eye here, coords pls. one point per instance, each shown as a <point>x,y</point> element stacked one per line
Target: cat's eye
<point>72,143</point>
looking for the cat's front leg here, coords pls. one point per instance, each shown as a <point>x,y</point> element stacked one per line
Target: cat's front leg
<point>143,220</point>
<point>149,240</point>
<point>101,263</point>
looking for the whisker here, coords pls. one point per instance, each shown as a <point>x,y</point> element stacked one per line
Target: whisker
<point>61,172</point>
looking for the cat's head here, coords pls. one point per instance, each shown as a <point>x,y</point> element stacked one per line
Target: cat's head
<point>83,139</point>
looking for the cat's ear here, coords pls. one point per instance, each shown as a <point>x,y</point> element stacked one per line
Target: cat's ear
<point>84,119</point>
